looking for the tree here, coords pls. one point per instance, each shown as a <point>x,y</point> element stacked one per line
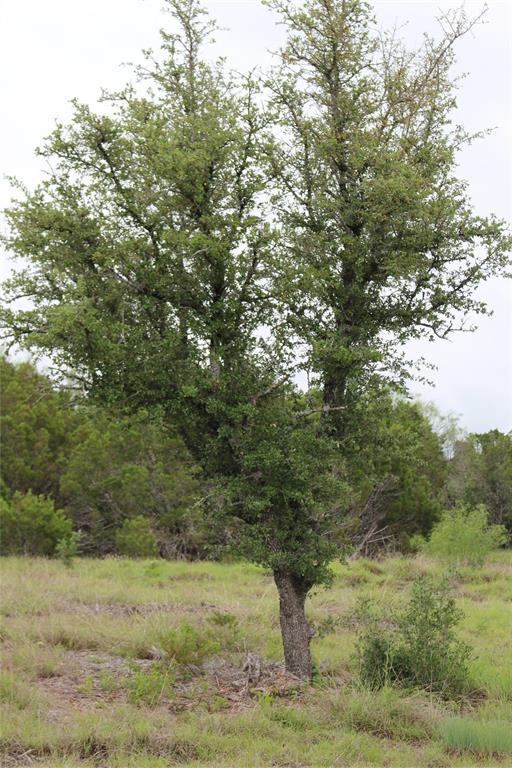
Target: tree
<point>157,278</point>
<point>464,535</point>
<point>31,525</point>
<point>120,468</point>
<point>136,539</point>
<point>397,471</point>
<point>480,472</point>
<point>36,426</point>
<point>378,243</point>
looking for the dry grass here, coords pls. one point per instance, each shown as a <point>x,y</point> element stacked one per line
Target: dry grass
<point>77,642</point>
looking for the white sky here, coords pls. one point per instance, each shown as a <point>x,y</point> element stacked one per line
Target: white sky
<point>53,50</point>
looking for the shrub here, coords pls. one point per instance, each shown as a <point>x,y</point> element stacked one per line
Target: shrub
<point>462,733</point>
<point>151,686</point>
<point>31,525</point>
<point>68,547</point>
<point>188,645</point>
<point>136,539</point>
<point>463,535</point>
<point>418,647</point>
<point>226,628</point>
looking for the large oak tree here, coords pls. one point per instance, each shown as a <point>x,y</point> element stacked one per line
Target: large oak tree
<point>191,249</point>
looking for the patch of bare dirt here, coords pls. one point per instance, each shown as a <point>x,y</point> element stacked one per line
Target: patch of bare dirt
<point>130,609</point>
<point>87,679</point>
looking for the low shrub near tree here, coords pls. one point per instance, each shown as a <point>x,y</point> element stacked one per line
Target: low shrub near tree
<point>463,536</point>
<point>417,646</point>
<point>188,645</point>
<point>31,525</point>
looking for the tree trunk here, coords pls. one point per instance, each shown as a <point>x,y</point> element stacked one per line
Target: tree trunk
<point>295,630</point>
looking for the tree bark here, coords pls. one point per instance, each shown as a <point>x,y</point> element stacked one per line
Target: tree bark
<point>295,630</point>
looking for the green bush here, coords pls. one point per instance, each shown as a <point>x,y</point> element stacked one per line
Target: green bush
<point>188,645</point>
<point>31,525</point>
<point>463,535</point>
<point>68,548</point>
<point>136,539</point>
<point>462,733</point>
<point>149,686</point>
<point>226,628</point>
<point>417,646</point>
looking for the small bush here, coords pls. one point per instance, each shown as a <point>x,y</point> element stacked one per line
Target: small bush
<point>188,645</point>
<point>463,536</point>
<point>418,646</point>
<point>68,548</point>
<point>150,686</point>
<point>136,539</point>
<point>462,733</point>
<point>227,629</point>
<point>31,525</point>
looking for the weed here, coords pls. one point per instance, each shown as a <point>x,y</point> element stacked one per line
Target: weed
<point>188,645</point>
<point>68,547</point>
<point>107,682</point>
<point>150,686</point>
<point>384,713</point>
<point>87,687</point>
<point>227,629</point>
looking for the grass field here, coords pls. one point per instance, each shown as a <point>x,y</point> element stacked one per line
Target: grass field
<point>86,681</point>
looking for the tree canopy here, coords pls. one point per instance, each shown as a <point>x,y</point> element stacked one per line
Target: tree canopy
<point>204,236</point>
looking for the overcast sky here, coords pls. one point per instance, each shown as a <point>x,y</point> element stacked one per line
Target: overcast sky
<point>53,50</point>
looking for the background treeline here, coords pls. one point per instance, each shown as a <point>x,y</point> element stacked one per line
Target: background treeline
<point>130,487</point>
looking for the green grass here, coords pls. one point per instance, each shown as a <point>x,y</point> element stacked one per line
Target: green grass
<point>465,734</point>
<point>81,685</point>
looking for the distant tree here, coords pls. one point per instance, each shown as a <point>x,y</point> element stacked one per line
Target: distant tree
<point>398,474</point>
<point>480,472</point>
<point>30,525</point>
<point>464,535</point>
<point>136,539</point>
<point>156,277</point>
<point>37,421</point>
<point>122,468</point>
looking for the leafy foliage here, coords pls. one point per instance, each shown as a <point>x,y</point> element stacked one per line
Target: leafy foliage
<point>188,645</point>
<point>480,472</point>
<point>136,539</point>
<point>147,687</point>
<point>31,525</point>
<point>420,647</point>
<point>68,547</point>
<point>397,471</point>
<point>101,469</point>
<point>464,535</point>
<point>164,279</point>
<point>133,466</point>
<point>37,422</point>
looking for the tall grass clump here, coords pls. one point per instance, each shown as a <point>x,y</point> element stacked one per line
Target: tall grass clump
<point>463,536</point>
<point>464,734</point>
<point>416,646</point>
